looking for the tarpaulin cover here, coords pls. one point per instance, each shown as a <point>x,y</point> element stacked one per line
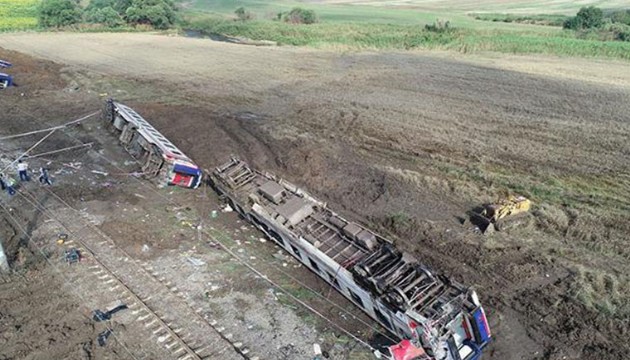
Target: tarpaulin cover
<point>187,170</point>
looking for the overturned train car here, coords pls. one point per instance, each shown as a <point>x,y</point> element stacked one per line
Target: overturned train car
<point>160,159</point>
<point>436,318</point>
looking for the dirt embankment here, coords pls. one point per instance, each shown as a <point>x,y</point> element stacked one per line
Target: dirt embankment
<point>409,142</point>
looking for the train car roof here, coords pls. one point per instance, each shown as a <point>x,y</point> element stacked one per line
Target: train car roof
<point>398,278</point>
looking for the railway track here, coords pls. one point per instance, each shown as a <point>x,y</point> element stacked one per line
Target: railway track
<point>186,333</point>
<point>115,262</point>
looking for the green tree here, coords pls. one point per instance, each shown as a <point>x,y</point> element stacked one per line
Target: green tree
<point>107,16</point>
<point>57,13</point>
<point>591,17</point>
<point>587,18</point>
<point>99,4</point>
<point>157,13</point>
<point>120,6</point>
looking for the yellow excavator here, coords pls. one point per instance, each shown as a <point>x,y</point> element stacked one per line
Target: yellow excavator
<point>506,213</point>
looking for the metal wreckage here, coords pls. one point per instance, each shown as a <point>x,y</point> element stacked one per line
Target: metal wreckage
<point>435,318</point>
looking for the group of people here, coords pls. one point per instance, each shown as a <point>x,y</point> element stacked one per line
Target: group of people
<point>8,183</point>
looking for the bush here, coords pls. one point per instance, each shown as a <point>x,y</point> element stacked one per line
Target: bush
<point>587,18</point>
<point>106,16</point>
<point>573,23</point>
<point>620,31</point>
<point>57,13</point>
<point>158,13</point>
<point>439,26</point>
<point>243,14</point>
<point>301,16</point>
<point>591,17</point>
<point>620,17</point>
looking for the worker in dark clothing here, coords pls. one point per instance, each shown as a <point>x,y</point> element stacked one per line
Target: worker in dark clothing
<point>2,182</point>
<point>43,176</point>
<point>23,170</point>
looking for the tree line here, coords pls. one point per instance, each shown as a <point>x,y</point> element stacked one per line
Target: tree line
<point>160,14</point>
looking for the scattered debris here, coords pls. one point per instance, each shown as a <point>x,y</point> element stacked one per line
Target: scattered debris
<point>62,238</point>
<point>145,248</point>
<point>100,172</point>
<point>262,240</point>
<point>5,79</point>
<point>214,214</point>
<point>72,256</point>
<point>102,337</point>
<point>98,315</point>
<point>318,352</point>
<point>74,165</point>
<point>227,208</point>
<point>140,196</point>
<point>195,261</point>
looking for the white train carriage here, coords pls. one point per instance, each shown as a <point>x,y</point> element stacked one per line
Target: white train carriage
<point>434,317</point>
<point>160,159</point>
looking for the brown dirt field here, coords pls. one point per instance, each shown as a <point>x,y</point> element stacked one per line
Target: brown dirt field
<point>406,142</point>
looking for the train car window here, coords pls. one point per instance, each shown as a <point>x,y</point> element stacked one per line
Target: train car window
<point>314,264</point>
<point>357,298</point>
<point>382,317</point>
<point>296,251</point>
<point>275,235</point>
<point>333,279</point>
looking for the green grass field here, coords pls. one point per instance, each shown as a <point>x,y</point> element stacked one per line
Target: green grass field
<point>407,12</point>
<point>383,25</point>
<point>17,14</point>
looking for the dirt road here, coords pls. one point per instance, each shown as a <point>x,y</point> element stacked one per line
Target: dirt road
<point>408,142</point>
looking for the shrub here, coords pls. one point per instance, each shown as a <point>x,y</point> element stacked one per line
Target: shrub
<point>243,14</point>
<point>439,26</point>
<point>587,18</point>
<point>620,32</point>
<point>620,17</point>
<point>301,16</point>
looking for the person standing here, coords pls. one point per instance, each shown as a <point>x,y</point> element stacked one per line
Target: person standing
<point>23,170</point>
<point>2,182</point>
<point>10,183</point>
<point>44,179</point>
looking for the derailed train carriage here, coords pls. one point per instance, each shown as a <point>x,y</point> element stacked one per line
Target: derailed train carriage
<point>437,318</point>
<point>160,159</point>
